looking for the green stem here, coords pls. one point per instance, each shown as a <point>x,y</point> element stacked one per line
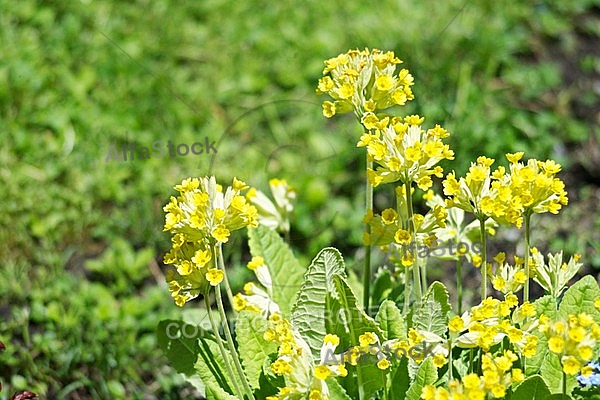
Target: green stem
<point>527,247</point>
<point>483,258</point>
<point>411,230</point>
<point>367,266</point>
<point>459,283</point>
<point>215,328</point>
<point>219,299</point>
<point>406,269</point>
<point>449,360</point>
<point>221,265</point>
<point>564,383</point>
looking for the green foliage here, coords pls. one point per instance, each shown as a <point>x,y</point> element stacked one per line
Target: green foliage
<point>308,313</point>
<point>426,375</point>
<point>78,235</point>
<point>532,388</point>
<point>286,271</point>
<point>254,349</point>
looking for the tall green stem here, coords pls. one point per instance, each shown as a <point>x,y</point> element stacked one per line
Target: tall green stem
<point>483,258</point>
<point>412,231</point>
<point>527,247</point>
<point>221,264</point>
<point>367,266</point>
<point>215,328</point>
<point>234,354</point>
<point>459,283</point>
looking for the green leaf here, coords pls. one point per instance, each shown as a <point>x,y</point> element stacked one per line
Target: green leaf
<point>391,321</point>
<point>580,298</point>
<point>253,348</point>
<point>532,388</point>
<point>382,286</point>
<point>308,313</point>
<point>336,391</point>
<point>432,315</point>
<point>180,347</point>
<point>211,369</point>
<point>400,380</point>
<point>544,305</point>
<point>552,373</point>
<point>352,322</point>
<point>286,272</point>
<point>426,375</point>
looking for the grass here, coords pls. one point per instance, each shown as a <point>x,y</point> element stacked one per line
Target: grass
<point>81,241</point>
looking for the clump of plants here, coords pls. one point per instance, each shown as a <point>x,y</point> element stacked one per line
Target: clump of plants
<point>303,333</point>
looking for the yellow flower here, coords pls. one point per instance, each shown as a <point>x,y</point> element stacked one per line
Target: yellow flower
<point>322,372</point>
<point>214,276</point>
<point>570,365</point>
<point>456,324</point>
<point>556,344</point>
<point>255,263</point>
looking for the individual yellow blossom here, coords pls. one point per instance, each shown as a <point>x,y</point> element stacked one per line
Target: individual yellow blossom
<point>456,324</point>
<point>214,276</point>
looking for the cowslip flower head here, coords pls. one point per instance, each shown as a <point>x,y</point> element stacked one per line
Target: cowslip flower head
<point>404,152</point>
<point>473,193</point>
<point>200,218</point>
<point>526,189</point>
<point>573,339</point>
<point>364,81</point>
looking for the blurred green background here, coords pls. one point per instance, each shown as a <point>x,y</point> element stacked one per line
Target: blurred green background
<point>81,241</point>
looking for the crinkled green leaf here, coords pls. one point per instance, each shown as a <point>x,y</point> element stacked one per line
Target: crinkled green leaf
<point>580,298</point>
<point>350,322</point>
<point>391,321</point>
<point>426,375</point>
<point>552,373</point>
<point>432,315</point>
<point>544,305</point>
<point>532,388</point>
<point>308,313</point>
<point>286,272</point>
<point>253,348</point>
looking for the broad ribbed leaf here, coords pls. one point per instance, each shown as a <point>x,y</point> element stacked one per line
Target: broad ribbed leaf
<point>350,321</point>
<point>552,373</point>
<point>253,348</point>
<point>309,311</point>
<point>544,305</point>
<point>426,375</point>
<point>432,316</point>
<point>286,271</point>
<point>391,321</point>
<point>532,388</point>
<point>580,298</point>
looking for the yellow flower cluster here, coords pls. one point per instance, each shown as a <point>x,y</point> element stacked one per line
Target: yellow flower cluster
<point>508,196</point>
<point>403,151</point>
<point>201,217</point>
<point>295,363</point>
<point>573,339</point>
<point>257,298</point>
<point>364,81</point>
<point>497,376</point>
<point>507,278</point>
<point>491,321</point>
<point>389,227</point>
